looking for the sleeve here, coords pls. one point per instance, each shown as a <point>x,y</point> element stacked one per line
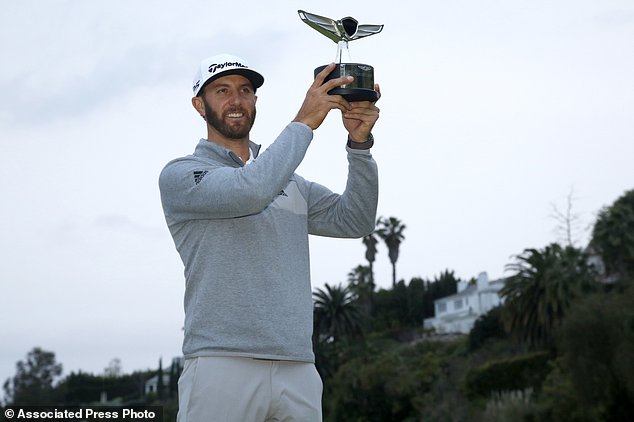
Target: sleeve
<point>350,214</point>
<point>194,189</point>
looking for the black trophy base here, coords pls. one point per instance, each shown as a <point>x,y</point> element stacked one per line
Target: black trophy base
<point>360,89</point>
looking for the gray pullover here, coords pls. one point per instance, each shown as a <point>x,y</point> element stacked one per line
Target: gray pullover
<point>242,234</point>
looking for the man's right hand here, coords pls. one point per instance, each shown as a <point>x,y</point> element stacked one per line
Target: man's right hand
<point>318,103</point>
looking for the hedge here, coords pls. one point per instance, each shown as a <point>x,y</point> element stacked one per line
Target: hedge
<point>510,374</point>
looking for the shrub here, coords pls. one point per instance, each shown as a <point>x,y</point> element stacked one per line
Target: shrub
<point>509,406</point>
<point>511,374</point>
<point>383,387</point>
<point>487,326</point>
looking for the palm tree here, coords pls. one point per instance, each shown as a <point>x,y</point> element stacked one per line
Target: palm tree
<point>335,314</point>
<point>391,231</point>
<point>370,253</point>
<point>540,292</point>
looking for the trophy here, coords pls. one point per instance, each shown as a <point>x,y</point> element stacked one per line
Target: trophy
<point>342,31</point>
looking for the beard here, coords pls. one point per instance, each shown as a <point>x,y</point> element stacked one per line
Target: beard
<point>227,130</point>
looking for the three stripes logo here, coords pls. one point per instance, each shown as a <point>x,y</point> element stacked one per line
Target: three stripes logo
<point>198,175</point>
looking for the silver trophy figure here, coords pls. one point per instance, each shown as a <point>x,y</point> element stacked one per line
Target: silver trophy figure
<point>342,31</point>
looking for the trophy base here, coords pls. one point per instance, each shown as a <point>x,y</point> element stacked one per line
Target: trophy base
<point>360,89</point>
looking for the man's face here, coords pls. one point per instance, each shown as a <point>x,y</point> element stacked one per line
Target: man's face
<point>229,104</point>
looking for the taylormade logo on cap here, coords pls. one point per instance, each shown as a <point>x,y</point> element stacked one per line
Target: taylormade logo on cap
<point>222,65</point>
<point>214,67</point>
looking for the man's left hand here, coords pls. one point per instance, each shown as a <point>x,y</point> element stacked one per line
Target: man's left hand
<point>360,119</point>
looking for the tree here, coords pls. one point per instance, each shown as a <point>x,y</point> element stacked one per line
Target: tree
<point>596,341</point>
<point>568,223</point>
<point>175,372</point>
<point>416,292</point>
<point>486,327</point>
<point>407,305</point>
<point>385,382</point>
<point>391,308</point>
<point>443,285</point>
<point>81,388</point>
<point>33,381</point>
<point>370,253</point>
<point>540,292</point>
<point>391,231</point>
<point>114,369</point>
<point>160,387</point>
<point>361,285</point>
<point>613,237</point>
<point>336,314</point>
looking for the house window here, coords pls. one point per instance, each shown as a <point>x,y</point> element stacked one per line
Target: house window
<point>457,304</point>
<point>441,307</point>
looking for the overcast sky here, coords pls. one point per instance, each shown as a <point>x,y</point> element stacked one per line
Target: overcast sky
<point>492,112</point>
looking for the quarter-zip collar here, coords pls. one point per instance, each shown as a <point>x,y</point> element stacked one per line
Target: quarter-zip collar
<point>209,149</point>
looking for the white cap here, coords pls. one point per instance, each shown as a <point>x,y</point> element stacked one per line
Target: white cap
<point>223,65</point>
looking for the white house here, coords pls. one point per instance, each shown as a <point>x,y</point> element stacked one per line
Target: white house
<point>151,385</point>
<point>457,313</point>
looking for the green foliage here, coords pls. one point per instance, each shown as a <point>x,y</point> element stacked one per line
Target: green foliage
<point>82,388</point>
<point>446,400</point>
<point>597,345</point>
<point>336,315</point>
<point>361,285</point>
<point>385,383</point>
<point>445,284</point>
<point>33,384</point>
<point>407,305</point>
<point>391,310</point>
<point>33,381</point>
<point>508,406</point>
<point>370,248</point>
<point>487,326</point>
<point>170,409</point>
<point>540,292</point>
<point>509,374</point>
<point>376,367</point>
<point>79,387</point>
<point>559,401</point>
<point>391,231</point>
<point>613,237</point>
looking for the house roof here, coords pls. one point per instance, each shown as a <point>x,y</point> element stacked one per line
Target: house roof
<point>472,289</point>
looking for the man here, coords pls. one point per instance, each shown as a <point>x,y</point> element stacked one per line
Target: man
<point>240,221</point>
